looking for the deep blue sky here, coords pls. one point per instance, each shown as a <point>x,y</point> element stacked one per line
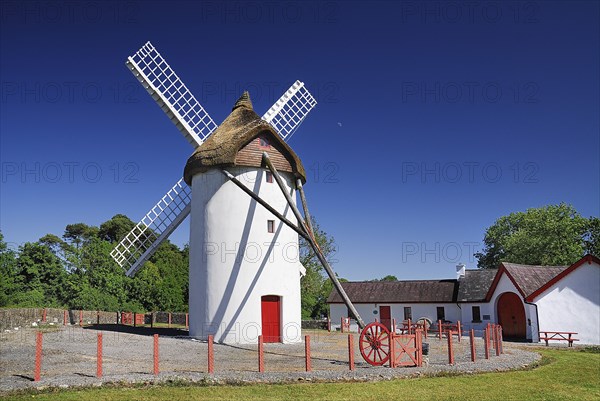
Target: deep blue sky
<point>434,119</point>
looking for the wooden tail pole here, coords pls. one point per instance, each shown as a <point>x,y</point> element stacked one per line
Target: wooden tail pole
<point>310,238</point>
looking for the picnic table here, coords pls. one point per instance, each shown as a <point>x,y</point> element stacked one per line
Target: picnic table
<point>558,336</point>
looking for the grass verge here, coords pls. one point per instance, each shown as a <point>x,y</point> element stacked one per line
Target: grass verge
<point>561,375</point>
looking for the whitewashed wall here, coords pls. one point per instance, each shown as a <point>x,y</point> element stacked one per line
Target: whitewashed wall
<point>573,304</point>
<point>366,311</point>
<point>234,260</point>
<point>506,285</point>
<point>466,313</point>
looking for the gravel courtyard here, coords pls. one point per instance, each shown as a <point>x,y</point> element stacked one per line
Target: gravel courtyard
<point>69,358</point>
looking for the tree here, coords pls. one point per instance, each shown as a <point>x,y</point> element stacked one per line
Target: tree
<point>389,277</point>
<point>115,229</point>
<point>315,286</point>
<point>8,273</point>
<point>592,236</point>
<point>41,277</point>
<point>550,235</point>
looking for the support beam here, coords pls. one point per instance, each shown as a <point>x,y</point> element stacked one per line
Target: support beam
<point>313,243</point>
<point>304,205</point>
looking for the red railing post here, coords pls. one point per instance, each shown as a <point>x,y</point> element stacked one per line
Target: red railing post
<point>211,355</point>
<point>329,324</point>
<point>425,328</point>
<point>156,354</point>
<point>486,341</point>
<point>497,339</point>
<point>64,318</point>
<point>97,317</point>
<point>409,326</point>
<point>458,326</point>
<point>134,319</point>
<point>261,361</point>
<point>392,358</point>
<point>440,328</point>
<point>500,339</point>
<point>38,356</point>
<point>450,349</point>
<point>99,357</point>
<point>351,351</point>
<point>44,315</point>
<point>472,339</point>
<point>342,324</point>
<point>419,344</point>
<point>393,326</point>
<point>307,361</point>
<point>169,319</point>
<point>80,318</point>
<point>187,321</point>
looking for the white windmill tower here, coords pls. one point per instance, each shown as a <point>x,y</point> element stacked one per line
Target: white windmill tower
<point>254,289</point>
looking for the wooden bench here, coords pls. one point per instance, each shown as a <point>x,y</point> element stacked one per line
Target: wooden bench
<point>558,336</point>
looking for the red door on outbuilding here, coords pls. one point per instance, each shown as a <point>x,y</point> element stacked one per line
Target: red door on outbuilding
<point>271,318</point>
<point>511,316</point>
<point>385,315</point>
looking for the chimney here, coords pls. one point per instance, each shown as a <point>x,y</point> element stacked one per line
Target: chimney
<point>460,271</point>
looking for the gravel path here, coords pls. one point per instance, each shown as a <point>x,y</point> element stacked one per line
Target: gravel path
<point>69,359</point>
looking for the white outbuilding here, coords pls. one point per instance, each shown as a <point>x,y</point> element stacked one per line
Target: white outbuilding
<point>244,262</point>
<point>525,300</point>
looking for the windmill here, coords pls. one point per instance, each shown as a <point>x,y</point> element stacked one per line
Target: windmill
<point>229,299</point>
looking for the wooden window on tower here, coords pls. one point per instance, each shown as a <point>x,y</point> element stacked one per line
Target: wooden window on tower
<point>269,177</point>
<point>407,313</point>
<point>441,313</point>
<point>271,226</point>
<point>476,314</point>
<point>263,142</point>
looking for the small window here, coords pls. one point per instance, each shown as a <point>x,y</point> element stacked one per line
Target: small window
<point>269,177</point>
<point>407,313</point>
<point>441,313</point>
<point>271,226</point>
<point>476,314</point>
<point>264,142</point>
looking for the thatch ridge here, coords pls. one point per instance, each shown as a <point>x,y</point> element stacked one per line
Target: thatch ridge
<point>238,129</point>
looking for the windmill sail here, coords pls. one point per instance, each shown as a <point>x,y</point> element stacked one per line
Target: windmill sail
<point>289,111</point>
<point>171,94</point>
<point>141,242</point>
<point>191,119</point>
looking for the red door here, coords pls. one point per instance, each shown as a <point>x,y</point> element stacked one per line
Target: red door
<point>271,318</point>
<point>386,316</point>
<point>511,316</point>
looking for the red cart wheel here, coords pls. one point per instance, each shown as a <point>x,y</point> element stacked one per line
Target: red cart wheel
<point>374,344</point>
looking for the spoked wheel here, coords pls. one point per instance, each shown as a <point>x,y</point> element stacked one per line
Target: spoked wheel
<point>374,344</point>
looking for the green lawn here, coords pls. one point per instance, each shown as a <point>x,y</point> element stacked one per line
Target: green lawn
<point>563,375</point>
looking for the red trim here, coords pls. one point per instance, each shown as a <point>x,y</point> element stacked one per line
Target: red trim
<point>492,289</point>
<point>561,275</point>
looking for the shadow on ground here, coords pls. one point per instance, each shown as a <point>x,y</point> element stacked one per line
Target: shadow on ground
<point>143,331</point>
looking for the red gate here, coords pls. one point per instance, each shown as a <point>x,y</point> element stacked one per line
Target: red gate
<point>406,349</point>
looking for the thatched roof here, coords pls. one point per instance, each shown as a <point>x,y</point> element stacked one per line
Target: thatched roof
<point>238,129</point>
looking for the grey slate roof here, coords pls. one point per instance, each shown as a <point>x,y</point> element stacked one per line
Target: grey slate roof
<point>414,291</point>
<point>529,278</point>
<point>475,285</point>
